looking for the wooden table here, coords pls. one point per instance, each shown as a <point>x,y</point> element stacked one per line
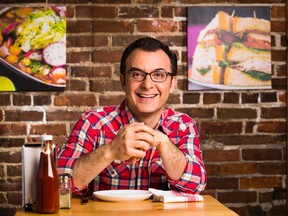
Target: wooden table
<point>209,207</point>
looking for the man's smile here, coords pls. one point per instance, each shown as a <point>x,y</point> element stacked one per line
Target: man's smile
<point>147,96</point>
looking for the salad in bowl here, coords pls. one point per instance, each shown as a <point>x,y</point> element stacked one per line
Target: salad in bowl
<point>33,41</point>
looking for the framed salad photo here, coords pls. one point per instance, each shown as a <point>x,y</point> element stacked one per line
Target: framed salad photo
<point>33,48</point>
<point>229,47</point>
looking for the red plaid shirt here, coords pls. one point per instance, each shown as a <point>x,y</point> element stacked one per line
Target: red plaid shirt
<point>99,126</point>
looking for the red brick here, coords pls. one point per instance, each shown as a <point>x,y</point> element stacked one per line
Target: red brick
<point>249,127</point>
<point>106,56</point>
<point>237,169</point>
<point>180,11</point>
<point>80,41</point>
<point>221,127</point>
<point>182,84</point>
<point>212,169</point>
<point>220,155</point>
<point>105,85</point>
<point>231,98</point>
<point>198,112</point>
<point>231,113</point>
<point>278,55</point>
<point>14,198</point>
<point>79,26</point>
<point>272,127</point>
<point>278,26</point>
<point>281,70</point>
<point>156,26</point>
<point>79,57</point>
<point>105,100</point>
<point>8,129</point>
<point>138,12</point>
<point>70,11</point>
<point>11,142</point>
<point>63,115</point>
<point>174,99</point>
<point>211,98</point>
<point>76,85</point>
<point>173,41</point>
<point>112,26</point>
<point>2,171</point>
<point>183,26</point>
<point>110,1</point>
<point>13,171</point>
<point>268,97</point>
<point>260,182</point>
<point>10,157</point>
<point>91,72</point>
<point>100,40</point>
<point>283,97</point>
<point>22,100</point>
<point>87,99</point>
<point>191,98</point>
<point>24,116</point>
<point>10,184</point>
<point>167,12</point>
<point>222,183</point>
<point>40,100</point>
<point>283,41</point>
<point>5,99</point>
<point>184,56</point>
<point>96,12</point>
<point>1,115</point>
<point>237,197</point>
<point>274,112</point>
<point>53,129</point>
<point>276,168</point>
<point>278,12</point>
<point>250,98</point>
<point>279,83</point>
<point>148,1</point>
<point>262,154</point>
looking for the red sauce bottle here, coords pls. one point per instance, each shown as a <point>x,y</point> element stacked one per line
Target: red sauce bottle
<point>47,179</point>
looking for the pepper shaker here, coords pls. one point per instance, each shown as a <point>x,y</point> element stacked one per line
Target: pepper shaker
<point>65,191</point>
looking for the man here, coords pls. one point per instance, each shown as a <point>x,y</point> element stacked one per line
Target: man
<point>139,144</point>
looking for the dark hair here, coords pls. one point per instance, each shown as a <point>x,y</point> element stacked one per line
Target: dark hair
<point>148,44</point>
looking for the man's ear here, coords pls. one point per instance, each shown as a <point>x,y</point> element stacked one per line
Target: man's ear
<point>173,83</point>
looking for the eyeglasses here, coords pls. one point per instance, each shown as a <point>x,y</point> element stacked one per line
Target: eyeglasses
<point>138,75</point>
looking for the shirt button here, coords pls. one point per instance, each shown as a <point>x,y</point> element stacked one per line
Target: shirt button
<point>112,172</point>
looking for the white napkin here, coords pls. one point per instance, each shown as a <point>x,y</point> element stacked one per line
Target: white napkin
<point>174,196</point>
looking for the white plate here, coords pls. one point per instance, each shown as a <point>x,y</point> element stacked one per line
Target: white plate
<point>122,195</point>
<point>227,87</point>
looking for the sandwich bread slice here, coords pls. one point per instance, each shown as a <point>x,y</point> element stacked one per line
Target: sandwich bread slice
<point>211,50</point>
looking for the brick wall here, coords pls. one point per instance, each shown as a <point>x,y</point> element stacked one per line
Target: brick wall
<point>243,133</point>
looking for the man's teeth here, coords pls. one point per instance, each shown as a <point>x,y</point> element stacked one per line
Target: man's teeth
<point>147,96</point>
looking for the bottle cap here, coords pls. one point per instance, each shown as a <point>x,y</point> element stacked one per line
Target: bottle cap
<point>46,137</point>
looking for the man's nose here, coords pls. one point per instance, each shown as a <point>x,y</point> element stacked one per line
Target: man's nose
<point>147,82</point>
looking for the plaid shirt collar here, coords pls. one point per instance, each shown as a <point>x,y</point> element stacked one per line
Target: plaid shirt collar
<point>128,118</point>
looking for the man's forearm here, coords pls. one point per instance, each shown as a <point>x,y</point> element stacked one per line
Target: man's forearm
<point>174,161</point>
<point>90,165</point>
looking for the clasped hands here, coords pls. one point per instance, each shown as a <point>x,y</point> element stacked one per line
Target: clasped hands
<point>132,142</point>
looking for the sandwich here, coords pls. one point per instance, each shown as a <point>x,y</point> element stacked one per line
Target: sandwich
<point>250,57</point>
<point>234,51</point>
<point>210,52</point>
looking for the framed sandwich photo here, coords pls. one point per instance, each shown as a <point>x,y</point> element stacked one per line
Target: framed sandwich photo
<point>33,48</point>
<point>229,47</point>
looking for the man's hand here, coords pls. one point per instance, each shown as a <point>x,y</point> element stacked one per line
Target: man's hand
<point>132,142</point>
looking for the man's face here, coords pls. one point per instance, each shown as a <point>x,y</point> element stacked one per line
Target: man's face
<point>147,98</point>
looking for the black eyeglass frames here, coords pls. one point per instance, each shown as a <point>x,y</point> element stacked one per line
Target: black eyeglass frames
<point>138,75</point>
